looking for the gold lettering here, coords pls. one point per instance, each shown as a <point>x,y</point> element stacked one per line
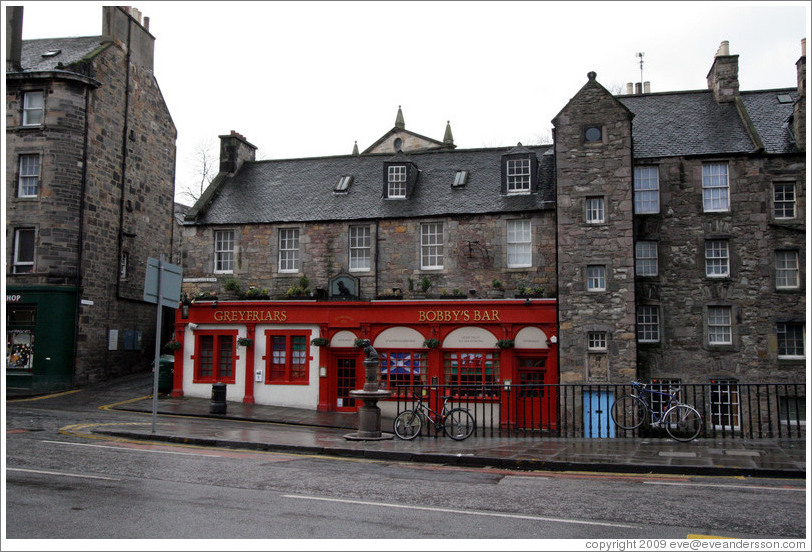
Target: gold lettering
<point>495,314</point>
<point>218,315</point>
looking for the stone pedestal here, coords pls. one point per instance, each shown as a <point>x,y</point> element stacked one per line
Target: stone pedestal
<point>369,415</point>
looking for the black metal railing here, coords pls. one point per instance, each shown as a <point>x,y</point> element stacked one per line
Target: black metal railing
<point>729,409</point>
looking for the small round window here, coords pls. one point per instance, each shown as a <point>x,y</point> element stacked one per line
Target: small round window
<point>398,143</point>
<point>593,134</point>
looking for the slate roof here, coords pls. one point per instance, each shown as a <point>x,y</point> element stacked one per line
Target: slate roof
<point>71,50</point>
<point>301,190</point>
<point>692,123</point>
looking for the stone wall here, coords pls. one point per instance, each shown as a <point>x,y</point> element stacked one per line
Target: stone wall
<point>324,253</point>
<point>585,169</point>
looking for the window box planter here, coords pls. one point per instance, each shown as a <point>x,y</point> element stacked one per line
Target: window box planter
<point>173,345</point>
<point>320,342</point>
<point>245,341</point>
<point>505,344</point>
<point>431,343</point>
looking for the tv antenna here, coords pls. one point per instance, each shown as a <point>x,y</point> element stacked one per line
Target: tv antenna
<point>640,55</point>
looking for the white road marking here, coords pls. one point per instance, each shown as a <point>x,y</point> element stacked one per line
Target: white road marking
<point>453,511</point>
<point>120,448</point>
<point>64,474</point>
<point>723,486</point>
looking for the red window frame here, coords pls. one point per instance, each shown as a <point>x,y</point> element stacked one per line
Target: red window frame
<point>474,367</point>
<point>281,366</point>
<point>403,367</point>
<point>209,366</point>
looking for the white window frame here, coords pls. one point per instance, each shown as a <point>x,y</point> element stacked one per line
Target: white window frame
<point>460,178</point>
<point>715,188</point>
<point>784,200</point>
<point>648,324</point>
<point>787,269</point>
<point>596,341</point>
<point>596,278</point>
<point>29,167</point>
<point>22,265</point>
<point>288,250</point>
<point>646,189</point>
<point>360,246</point>
<point>396,182</point>
<point>791,338</point>
<point>595,210</point>
<point>431,245</point>
<point>224,241</point>
<point>725,411</point>
<point>518,174</point>
<point>33,115</point>
<point>717,258</point>
<point>519,244</point>
<point>720,325</point>
<point>647,258</point>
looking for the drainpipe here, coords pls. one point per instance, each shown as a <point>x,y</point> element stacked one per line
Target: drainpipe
<point>81,238</point>
<point>124,157</point>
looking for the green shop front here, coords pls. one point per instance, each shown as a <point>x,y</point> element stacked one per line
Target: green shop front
<point>40,338</point>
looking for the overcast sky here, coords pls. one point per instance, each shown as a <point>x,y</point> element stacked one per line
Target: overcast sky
<point>307,79</point>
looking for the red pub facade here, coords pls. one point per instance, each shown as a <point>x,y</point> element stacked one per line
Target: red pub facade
<point>303,353</point>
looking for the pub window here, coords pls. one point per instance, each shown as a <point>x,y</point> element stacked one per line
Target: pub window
<point>214,356</point>
<point>471,372</point>
<point>287,357</point>
<point>402,368</point>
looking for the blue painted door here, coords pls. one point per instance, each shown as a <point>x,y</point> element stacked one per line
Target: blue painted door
<point>598,414</point>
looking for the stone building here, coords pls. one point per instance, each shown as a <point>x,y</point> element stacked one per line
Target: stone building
<point>90,161</point>
<point>665,229</point>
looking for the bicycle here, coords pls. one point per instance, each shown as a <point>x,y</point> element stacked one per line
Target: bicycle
<point>681,421</point>
<point>457,423</point>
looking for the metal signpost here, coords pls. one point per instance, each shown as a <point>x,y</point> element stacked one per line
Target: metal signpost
<point>162,286</point>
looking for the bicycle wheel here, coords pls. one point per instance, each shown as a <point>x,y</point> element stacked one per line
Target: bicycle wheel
<point>682,422</point>
<point>408,424</point>
<point>458,424</point>
<point>629,412</point>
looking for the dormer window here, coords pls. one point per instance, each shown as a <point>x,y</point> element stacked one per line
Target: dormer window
<point>519,172</point>
<point>396,182</point>
<point>343,184</point>
<point>399,178</point>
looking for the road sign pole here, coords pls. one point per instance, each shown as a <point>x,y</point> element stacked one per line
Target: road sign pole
<point>157,365</point>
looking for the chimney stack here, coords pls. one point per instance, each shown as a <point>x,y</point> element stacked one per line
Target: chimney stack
<point>723,78</point>
<point>122,25</point>
<point>14,38</point>
<point>234,151</point>
<point>799,112</point>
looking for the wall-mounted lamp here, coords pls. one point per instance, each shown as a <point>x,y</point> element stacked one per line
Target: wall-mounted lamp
<point>527,302</point>
<point>192,326</point>
<point>322,371</point>
<point>214,304</point>
<point>553,340</point>
<point>507,384</point>
<point>184,307</point>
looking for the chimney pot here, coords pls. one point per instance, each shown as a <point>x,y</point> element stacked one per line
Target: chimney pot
<point>629,88</point>
<point>803,47</point>
<point>638,88</point>
<point>724,49</point>
<point>647,87</point>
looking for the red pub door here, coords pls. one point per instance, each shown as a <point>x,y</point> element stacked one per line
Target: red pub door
<point>347,379</point>
<point>535,402</point>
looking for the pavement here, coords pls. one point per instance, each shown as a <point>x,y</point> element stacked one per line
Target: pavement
<point>293,430</point>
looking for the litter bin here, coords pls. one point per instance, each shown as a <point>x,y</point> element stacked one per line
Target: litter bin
<point>166,367</point>
<point>218,398</point>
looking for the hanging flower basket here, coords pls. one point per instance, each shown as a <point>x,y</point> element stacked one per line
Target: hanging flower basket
<point>431,343</point>
<point>320,342</point>
<point>245,341</point>
<point>173,345</point>
<point>505,343</point>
